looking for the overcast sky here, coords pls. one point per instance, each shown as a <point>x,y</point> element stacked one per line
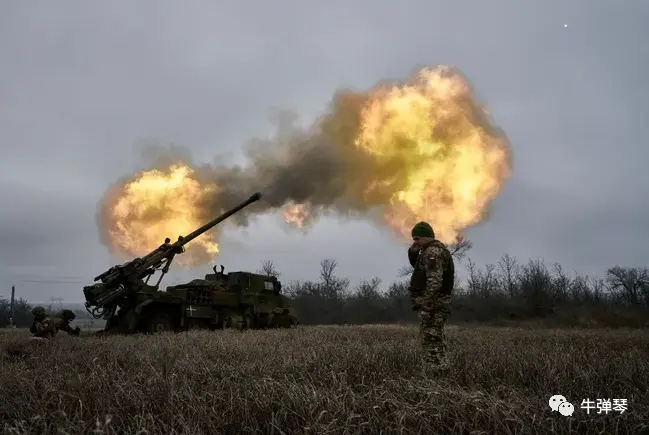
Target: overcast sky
<point>83,83</point>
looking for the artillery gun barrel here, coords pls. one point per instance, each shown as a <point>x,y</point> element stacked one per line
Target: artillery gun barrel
<point>115,281</point>
<point>191,236</point>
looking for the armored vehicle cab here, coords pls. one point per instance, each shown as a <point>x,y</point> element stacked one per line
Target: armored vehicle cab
<point>221,300</point>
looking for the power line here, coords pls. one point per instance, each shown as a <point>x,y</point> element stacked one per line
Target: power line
<point>32,278</point>
<point>49,281</point>
<point>39,276</point>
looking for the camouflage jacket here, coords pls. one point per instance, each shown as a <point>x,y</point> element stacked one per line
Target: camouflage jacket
<point>43,327</point>
<point>433,275</point>
<point>62,324</point>
<point>49,326</point>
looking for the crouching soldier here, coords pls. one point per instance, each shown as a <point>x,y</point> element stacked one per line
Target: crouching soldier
<point>41,323</point>
<point>62,322</point>
<point>45,326</point>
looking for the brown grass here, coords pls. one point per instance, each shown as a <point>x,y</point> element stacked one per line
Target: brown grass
<point>356,379</point>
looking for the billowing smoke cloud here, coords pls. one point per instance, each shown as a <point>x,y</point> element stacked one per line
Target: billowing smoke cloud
<point>424,149</point>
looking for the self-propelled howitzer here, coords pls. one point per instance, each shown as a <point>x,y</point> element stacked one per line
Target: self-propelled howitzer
<point>121,283</point>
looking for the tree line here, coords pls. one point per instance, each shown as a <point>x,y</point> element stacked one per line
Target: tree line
<point>507,291</point>
<point>22,313</point>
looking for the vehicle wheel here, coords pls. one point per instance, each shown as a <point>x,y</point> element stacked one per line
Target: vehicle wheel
<point>240,323</point>
<point>219,324</point>
<point>111,325</point>
<point>197,324</point>
<point>157,321</point>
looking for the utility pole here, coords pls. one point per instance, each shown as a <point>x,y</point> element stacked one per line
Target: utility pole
<point>13,312</point>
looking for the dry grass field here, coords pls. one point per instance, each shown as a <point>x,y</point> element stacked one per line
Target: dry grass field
<point>325,380</point>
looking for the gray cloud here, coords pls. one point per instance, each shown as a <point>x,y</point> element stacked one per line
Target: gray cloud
<point>82,85</point>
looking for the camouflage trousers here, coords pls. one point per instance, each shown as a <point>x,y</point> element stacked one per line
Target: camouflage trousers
<point>433,339</point>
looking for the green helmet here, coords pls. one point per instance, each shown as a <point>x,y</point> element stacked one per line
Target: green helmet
<point>423,229</point>
<point>38,311</point>
<point>68,315</point>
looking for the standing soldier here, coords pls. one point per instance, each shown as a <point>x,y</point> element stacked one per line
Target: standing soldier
<point>431,286</point>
